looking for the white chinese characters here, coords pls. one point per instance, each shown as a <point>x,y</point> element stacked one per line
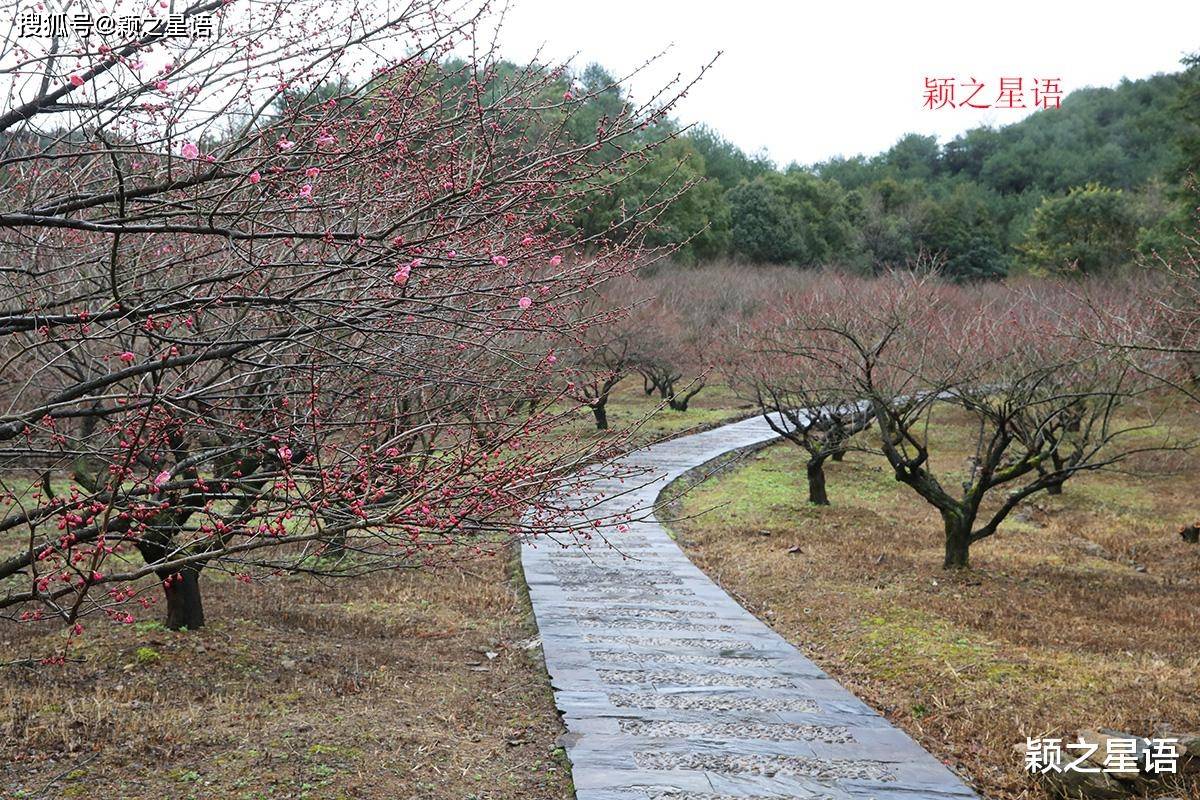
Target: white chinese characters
<point>1121,755</point>
<point>32,23</point>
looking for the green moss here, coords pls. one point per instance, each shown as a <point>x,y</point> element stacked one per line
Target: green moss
<point>905,640</point>
<point>861,484</point>
<point>628,407</point>
<point>771,489</point>
<point>1013,525</point>
<point>340,751</point>
<point>147,655</point>
<point>1123,497</point>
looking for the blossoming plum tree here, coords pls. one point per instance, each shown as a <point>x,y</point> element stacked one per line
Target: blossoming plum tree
<point>261,293</point>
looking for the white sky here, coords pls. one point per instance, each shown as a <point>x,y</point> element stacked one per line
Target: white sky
<point>810,80</point>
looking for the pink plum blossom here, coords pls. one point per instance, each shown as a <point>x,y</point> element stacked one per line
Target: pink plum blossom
<point>161,85</point>
<point>401,276</point>
<point>525,302</point>
<point>285,453</point>
<point>528,240</point>
<point>127,357</point>
<point>160,480</point>
<point>555,261</point>
<point>312,172</point>
<point>76,80</point>
<point>286,144</point>
<point>500,261</point>
<point>306,190</point>
<point>255,176</point>
<point>189,150</point>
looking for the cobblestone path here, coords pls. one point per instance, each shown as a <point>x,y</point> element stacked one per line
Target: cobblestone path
<point>672,691</point>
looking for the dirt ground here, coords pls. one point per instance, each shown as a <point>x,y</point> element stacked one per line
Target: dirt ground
<point>1083,612</point>
<point>376,688</point>
<point>404,685</point>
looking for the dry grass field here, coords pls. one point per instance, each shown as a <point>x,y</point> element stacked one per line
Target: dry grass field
<point>646,419</point>
<point>382,688</point>
<point>375,688</point>
<point>1083,612</point>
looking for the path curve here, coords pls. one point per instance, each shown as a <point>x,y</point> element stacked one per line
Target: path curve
<point>672,691</point>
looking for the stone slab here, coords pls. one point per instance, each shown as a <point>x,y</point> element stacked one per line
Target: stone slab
<point>670,690</point>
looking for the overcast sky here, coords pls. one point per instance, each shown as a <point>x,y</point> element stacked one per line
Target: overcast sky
<point>808,80</point>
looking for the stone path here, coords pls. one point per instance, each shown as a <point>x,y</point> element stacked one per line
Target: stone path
<point>672,691</point>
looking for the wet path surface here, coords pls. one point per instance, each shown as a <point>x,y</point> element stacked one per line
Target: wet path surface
<point>672,691</point>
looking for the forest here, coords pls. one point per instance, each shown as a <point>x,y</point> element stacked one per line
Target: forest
<point>1091,186</point>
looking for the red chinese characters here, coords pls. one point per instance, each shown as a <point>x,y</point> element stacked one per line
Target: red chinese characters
<point>1007,92</point>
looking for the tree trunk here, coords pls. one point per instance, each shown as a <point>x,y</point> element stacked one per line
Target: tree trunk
<point>816,482</point>
<point>184,609</point>
<point>838,454</point>
<point>958,543</point>
<point>1054,488</point>
<point>680,403</point>
<point>601,414</point>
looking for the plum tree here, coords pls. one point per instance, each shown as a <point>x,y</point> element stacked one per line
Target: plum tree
<point>271,297</point>
<point>1047,402</point>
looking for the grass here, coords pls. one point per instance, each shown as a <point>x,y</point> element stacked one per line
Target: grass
<point>379,688</point>
<point>1081,613</point>
<point>630,407</point>
<point>373,688</point>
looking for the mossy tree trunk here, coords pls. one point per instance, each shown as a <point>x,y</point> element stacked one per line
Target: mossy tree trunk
<point>185,608</point>
<point>816,481</point>
<point>958,541</point>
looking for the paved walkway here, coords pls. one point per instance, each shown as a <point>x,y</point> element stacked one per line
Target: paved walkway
<point>672,691</point>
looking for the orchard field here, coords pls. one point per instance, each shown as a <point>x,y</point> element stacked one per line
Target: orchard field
<point>309,327</point>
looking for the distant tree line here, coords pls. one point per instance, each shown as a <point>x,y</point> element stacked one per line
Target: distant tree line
<point>1087,187</point>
